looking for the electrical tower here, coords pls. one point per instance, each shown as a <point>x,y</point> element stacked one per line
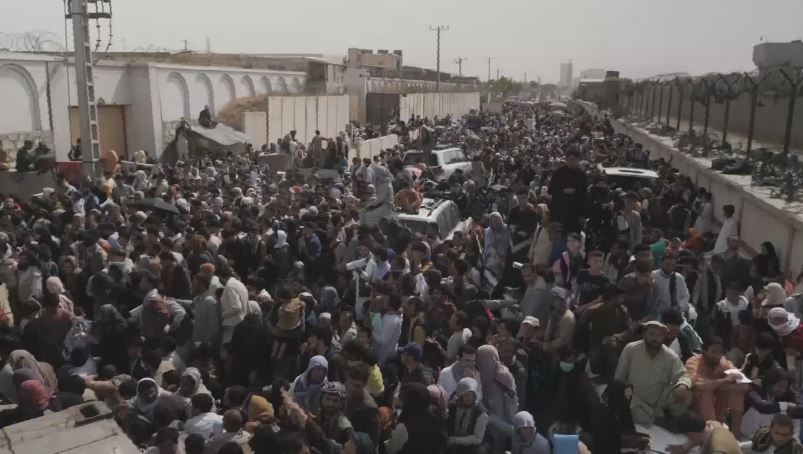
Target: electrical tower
<point>459,61</point>
<point>85,80</point>
<point>439,29</point>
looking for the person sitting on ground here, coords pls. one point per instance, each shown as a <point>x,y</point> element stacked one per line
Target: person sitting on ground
<point>681,337</point>
<point>773,396</point>
<point>759,362</point>
<point>778,438</point>
<point>716,384</point>
<point>660,382</point>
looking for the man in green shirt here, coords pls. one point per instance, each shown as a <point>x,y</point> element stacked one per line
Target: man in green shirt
<point>661,386</point>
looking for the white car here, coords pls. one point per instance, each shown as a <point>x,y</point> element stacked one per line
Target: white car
<point>442,215</point>
<point>442,162</point>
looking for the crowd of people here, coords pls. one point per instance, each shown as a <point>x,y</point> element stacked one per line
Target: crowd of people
<point>216,308</point>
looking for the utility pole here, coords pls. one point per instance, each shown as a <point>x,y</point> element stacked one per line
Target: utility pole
<point>459,61</point>
<point>489,67</point>
<point>438,30</point>
<point>85,80</point>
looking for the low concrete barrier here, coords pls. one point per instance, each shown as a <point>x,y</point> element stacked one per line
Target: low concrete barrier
<point>761,217</point>
<point>372,147</point>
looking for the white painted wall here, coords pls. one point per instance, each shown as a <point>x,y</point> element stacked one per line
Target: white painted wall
<point>148,92</point>
<point>306,114</point>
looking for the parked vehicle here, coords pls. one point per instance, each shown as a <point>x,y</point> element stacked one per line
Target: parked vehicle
<point>441,215</point>
<point>442,162</point>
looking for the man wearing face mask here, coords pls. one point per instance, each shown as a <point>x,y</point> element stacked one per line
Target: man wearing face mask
<point>573,394</point>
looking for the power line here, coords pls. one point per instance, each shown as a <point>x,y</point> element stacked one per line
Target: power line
<point>438,29</point>
<point>459,61</point>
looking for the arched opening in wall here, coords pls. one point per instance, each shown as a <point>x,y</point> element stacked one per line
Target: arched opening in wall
<point>266,86</point>
<point>176,99</point>
<point>297,88</point>
<point>282,86</point>
<point>248,86</point>
<point>208,91</point>
<point>229,92</point>
<point>18,89</point>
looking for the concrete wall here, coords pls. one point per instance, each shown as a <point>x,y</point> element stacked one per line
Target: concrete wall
<point>372,147</point>
<point>761,217</point>
<point>40,89</point>
<point>438,104</point>
<point>305,114</point>
<point>770,122</point>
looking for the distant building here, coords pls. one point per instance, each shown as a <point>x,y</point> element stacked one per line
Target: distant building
<point>380,59</point>
<point>772,54</point>
<point>566,75</point>
<point>592,73</point>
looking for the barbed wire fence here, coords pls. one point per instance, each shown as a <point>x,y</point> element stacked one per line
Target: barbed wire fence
<point>32,41</point>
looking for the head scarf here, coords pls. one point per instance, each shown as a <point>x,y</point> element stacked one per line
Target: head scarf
<point>22,359</point>
<point>34,393</point>
<point>787,326</point>
<point>305,392</point>
<point>497,238</point>
<point>110,317</point>
<point>438,397</point>
<point>465,385</point>
<point>143,408</point>
<point>281,239</point>
<point>492,372</point>
<point>523,419</point>
<point>20,376</point>
<point>54,285</point>
<point>776,295</point>
<point>330,298</point>
<point>195,375</point>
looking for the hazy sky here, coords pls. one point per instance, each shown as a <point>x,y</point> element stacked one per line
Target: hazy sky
<point>638,37</point>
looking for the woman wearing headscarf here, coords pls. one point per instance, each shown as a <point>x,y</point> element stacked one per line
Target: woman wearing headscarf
<point>526,440</point>
<point>306,388</point>
<point>33,400</point>
<point>562,322</point>
<point>613,428</point>
<point>22,359</point>
<point>418,430</point>
<point>498,395</point>
<point>496,244</point>
<point>467,419</point>
<point>768,267</point>
<point>330,301</point>
<point>110,330</point>
<point>277,263</point>
<point>148,394</point>
<point>250,351</point>
<point>190,385</point>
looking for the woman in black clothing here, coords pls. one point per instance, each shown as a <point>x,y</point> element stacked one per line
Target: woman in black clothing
<point>768,267</point>
<point>614,428</point>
